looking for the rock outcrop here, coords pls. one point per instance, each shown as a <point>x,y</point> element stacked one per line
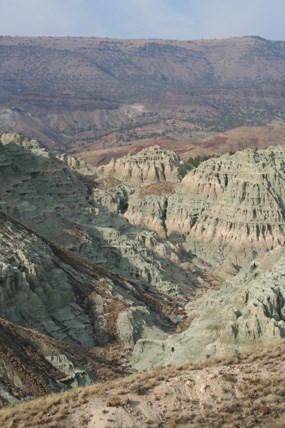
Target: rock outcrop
<point>231,207</point>
<point>248,310</point>
<point>150,165</point>
<point>82,212</point>
<point>78,165</point>
<point>241,200</point>
<point>32,365</point>
<point>57,292</point>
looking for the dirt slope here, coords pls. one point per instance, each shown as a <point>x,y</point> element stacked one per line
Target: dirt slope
<point>244,390</point>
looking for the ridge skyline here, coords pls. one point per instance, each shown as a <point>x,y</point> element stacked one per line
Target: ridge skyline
<point>167,19</point>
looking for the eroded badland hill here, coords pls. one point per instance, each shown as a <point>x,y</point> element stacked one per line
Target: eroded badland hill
<point>151,284</point>
<point>138,264</point>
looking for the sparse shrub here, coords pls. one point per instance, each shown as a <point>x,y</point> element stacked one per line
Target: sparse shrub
<point>197,160</point>
<point>117,401</point>
<point>141,390</point>
<point>229,377</point>
<point>264,410</point>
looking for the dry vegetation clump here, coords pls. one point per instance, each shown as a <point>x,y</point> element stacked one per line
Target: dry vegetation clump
<point>236,391</point>
<point>143,386</point>
<point>117,401</point>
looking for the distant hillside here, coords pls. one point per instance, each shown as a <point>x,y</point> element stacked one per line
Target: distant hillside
<point>74,92</point>
<point>244,137</point>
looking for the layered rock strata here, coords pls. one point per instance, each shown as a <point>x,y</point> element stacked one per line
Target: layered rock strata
<point>65,201</point>
<point>32,365</point>
<point>245,311</point>
<point>242,201</point>
<point>228,207</point>
<point>148,166</point>
<point>48,288</point>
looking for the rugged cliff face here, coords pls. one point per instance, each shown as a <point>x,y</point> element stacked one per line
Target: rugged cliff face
<point>242,202</point>
<point>245,311</point>
<point>59,293</point>
<point>228,209</point>
<point>150,165</point>
<point>148,177</point>
<point>69,205</point>
<point>105,260</point>
<point>73,269</point>
<point>231,207</point>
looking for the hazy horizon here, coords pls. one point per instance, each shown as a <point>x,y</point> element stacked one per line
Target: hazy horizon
<point>144,19</point>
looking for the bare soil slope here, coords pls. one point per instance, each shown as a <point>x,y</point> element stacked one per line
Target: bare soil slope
<point>245,390</point>
<point>235,139</point>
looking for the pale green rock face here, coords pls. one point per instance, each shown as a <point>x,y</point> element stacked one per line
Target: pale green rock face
<point>63,202</point>
<point>248,310</point>
<point>150,165</point>
<point>35,290</point>
<point>80,258</point>
<point>43,288</point>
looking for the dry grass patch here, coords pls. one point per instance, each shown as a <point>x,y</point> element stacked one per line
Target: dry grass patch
<point>225,397</point>
<point>157,189</point>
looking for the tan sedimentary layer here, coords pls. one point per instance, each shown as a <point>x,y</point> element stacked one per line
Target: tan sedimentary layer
<point>150,165</point>
<point>243,199</point>
<point>235,203</point>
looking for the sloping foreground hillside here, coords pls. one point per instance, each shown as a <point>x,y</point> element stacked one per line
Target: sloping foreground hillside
<point>244,390</point>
